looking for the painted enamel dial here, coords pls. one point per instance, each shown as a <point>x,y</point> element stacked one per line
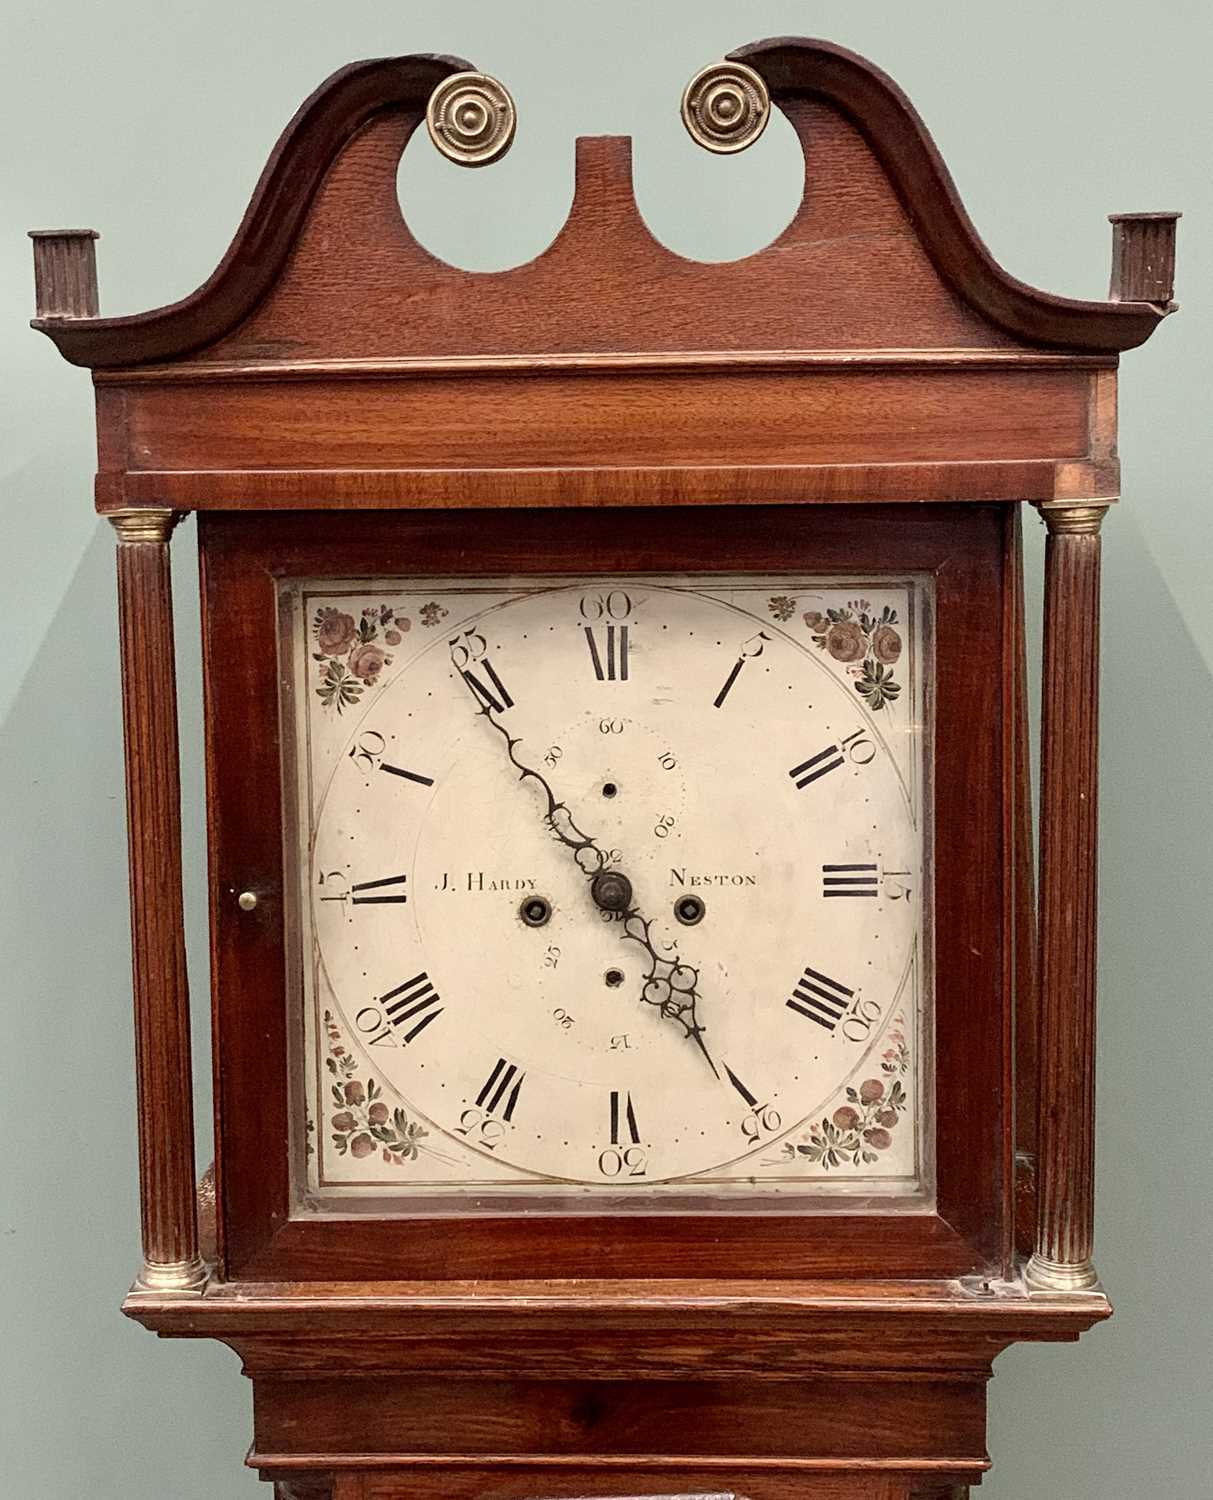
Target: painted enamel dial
<point>613,884</point>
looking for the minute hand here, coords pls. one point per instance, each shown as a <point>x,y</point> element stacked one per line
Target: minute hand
<point>671,986</point>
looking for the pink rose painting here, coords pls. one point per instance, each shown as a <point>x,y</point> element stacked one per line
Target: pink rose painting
<point>886,644</point>
<point>335,631</point>
<point>845,641</point>
<point>866,643</point>
<point>857,1132</point>
<point>363,1123</point>
<point>353,651</point>
<point>367,661</point>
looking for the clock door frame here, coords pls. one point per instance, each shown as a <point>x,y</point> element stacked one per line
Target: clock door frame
<point>970,553</point>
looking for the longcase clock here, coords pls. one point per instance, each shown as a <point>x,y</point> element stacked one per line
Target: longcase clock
<point>639,1067</point>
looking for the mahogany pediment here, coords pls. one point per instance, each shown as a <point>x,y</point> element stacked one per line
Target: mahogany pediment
<point>880,255</point>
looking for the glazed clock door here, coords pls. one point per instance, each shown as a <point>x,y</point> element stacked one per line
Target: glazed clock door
<point>613,891</point>
<point>596,881</point>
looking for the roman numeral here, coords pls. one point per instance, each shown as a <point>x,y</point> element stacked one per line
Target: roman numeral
<point>750,651</point>
<point>614,653</point>
<point>413,1004</point>
<point>501,1090</point>
<point>388,898</point>
<point>498,701</point>
<point>408,775</point>
<point>728,682</point>
<point>623,1117</point>
<point>740,1087</point>
<point>848,880</point>
<point>816,766</point>
<point>820,998</point>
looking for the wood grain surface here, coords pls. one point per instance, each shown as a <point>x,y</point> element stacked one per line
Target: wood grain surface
<point>881,252</point>
<point>966,551</point>
<point>870,393</point>
<point>153,802</point>
<point>1068,886</point>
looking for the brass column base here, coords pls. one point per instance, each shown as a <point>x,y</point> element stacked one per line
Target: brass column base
<point>175,1276</point>
<point>1041,1275</point>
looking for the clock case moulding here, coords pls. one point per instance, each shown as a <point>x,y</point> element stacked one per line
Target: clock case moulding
<point>872,379</point>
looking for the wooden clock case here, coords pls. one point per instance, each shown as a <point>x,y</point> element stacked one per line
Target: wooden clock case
<point>871,392</point>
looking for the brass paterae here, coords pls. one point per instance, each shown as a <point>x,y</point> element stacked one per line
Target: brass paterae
<point>471,118</point>
<point>726,107</point>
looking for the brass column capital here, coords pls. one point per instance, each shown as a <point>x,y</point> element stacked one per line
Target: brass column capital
<point>1073,517</point>
<point>143,525</point>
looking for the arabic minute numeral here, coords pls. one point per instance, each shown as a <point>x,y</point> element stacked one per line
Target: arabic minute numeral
<point>858,1025</point>
<point>367,750</point>
<point>370,1022</point>
<point>762,1119</point>
<point>615,605</point>
<point>467,647</point>
<point>480,1128</point>
<point>858,748</point>
<point>334,885</point>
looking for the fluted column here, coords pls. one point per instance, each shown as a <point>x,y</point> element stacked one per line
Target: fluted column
<point>171,1261</point>
<point>1068,838</point>
<point>65,272</point>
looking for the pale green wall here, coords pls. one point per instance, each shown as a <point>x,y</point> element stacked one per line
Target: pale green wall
<point>150,121</point>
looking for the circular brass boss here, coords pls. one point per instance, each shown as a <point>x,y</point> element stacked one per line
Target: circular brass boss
<point>611,890</point>
<point>471,118</point>
<point>726,107</point>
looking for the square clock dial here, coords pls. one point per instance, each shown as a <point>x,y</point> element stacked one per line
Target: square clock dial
<point>611,890</point>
